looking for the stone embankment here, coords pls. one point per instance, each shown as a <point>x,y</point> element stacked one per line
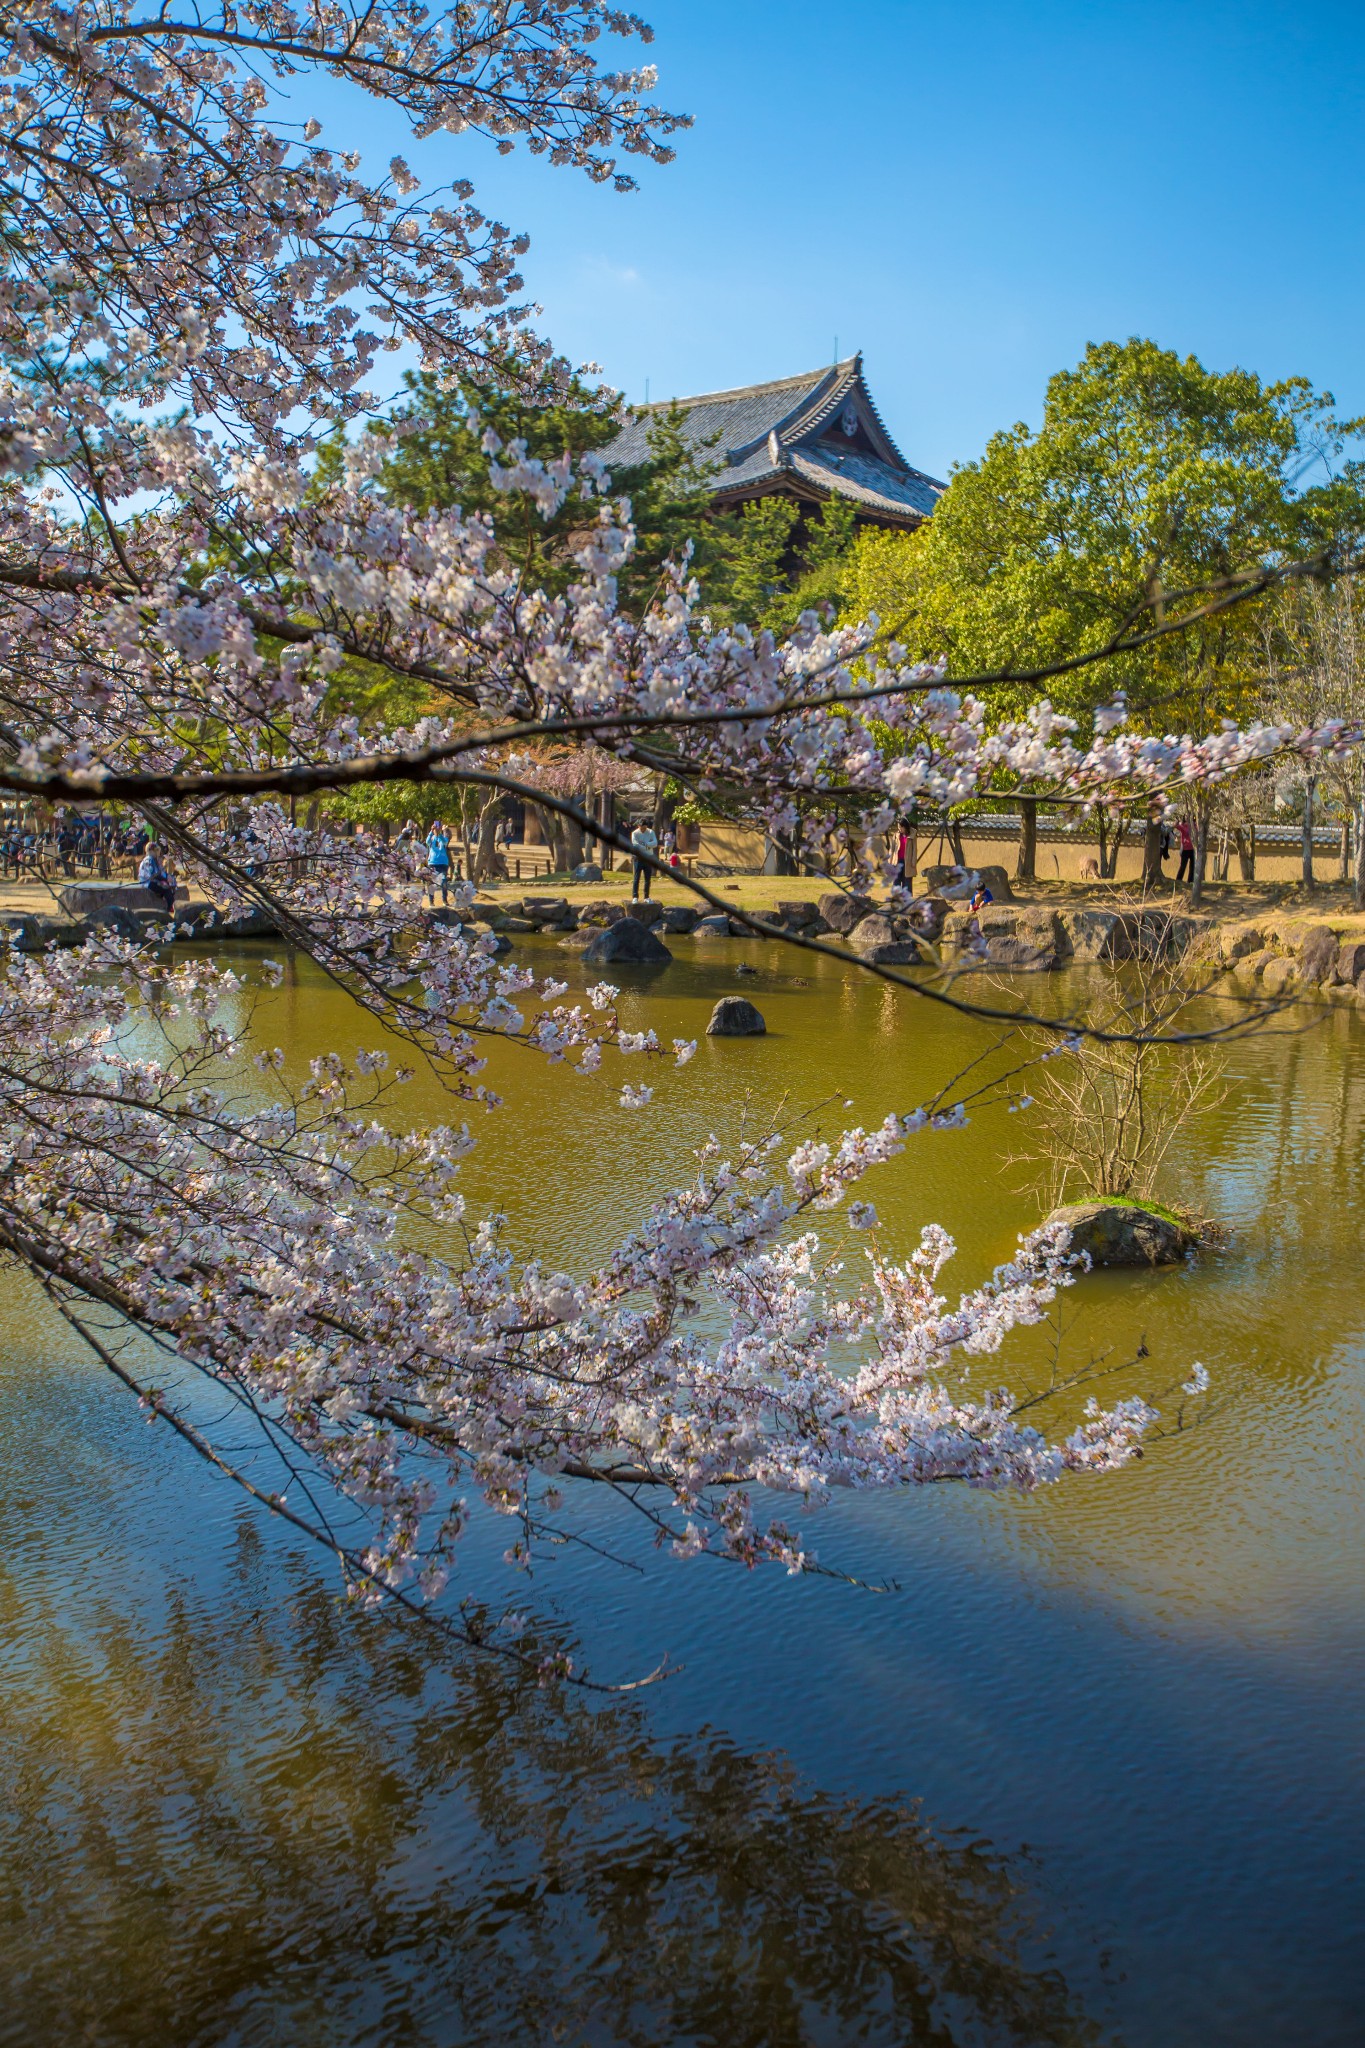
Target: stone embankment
<point>1276,952</point>
<point>1289,955</point>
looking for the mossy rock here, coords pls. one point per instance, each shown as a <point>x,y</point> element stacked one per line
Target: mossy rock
<point>1117,1233</point>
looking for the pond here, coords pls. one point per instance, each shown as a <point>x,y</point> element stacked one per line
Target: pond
<point>1091,1773</point>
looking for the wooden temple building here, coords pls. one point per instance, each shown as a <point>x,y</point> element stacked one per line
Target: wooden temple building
<point>808,438</point>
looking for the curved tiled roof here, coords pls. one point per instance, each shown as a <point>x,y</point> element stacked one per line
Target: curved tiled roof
<point>763,437</point>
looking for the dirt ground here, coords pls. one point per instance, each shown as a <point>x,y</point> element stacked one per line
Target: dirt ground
<point>1230,901</point>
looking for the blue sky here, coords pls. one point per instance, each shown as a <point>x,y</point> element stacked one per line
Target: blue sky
<point>968,193</point>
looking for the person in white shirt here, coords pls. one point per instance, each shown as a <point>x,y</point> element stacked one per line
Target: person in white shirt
<point>645,841</point>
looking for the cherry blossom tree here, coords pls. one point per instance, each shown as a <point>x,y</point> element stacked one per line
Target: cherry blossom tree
<point>194,290</point>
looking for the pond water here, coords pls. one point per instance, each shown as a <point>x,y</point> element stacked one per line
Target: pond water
<point>1092,1773</point>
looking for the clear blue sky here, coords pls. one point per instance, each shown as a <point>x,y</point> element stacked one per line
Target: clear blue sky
<point>968,191</point>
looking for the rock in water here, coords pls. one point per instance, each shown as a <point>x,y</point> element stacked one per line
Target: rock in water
<point>1319,956</point>
<point>736,1017</point>
<point>1123,1234</point>
<point>628,943</point>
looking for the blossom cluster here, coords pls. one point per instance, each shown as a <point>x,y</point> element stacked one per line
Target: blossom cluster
<point>274,1237</point>
<point>193,300</point>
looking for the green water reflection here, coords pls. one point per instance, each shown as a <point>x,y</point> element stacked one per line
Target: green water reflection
<point>234,1813</point>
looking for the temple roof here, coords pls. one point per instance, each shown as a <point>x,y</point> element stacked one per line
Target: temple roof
<point>811,436</point>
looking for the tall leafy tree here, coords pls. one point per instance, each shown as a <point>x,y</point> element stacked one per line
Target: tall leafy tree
<point>1150,476</point>
<point>439,459</point>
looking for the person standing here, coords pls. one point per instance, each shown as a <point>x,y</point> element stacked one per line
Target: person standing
<point>644,842</point>
<point>1186,867</point>
<point>438,862</point>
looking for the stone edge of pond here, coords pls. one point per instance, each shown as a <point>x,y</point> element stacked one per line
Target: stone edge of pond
<point>1278,953</point>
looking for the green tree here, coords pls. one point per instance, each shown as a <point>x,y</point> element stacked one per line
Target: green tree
<point>767,563</point>
<point>438,460</point>
<point>1149,476</point>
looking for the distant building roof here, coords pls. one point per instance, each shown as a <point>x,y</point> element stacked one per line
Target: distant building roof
<point>807,437</point>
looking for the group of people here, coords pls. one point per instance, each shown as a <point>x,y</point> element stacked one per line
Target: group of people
<point>67,843</point>
<point>646,849</point>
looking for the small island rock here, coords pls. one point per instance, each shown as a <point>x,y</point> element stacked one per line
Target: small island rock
<point>628,943</point>
<point>1123,1234</point>
<point>736,1017</point>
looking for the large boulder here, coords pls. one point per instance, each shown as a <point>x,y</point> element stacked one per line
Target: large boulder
<point>488,940</point>
<point>627,944</point>
<point>678,917</point>
<point>587,871</point>
<point>1123,1234</point>
<point>926,917</point>
<point>716,926</point>
<point>841,912</point>
<point>1157,935</point>
<point>579,941</point>
<point>29,933</point>
<point>1012,937</point>
<point>1089,935</point>
<point>1351,960</point>
<point>120,923</point>
<point>538,910</point>
<point>1318,955</point>
<point>88,899</point>
<point>252,924</point>
<point>600,911</point>
<point>736,1017</point>
<point>1243,940</point>
<point>645,913</point>
<point>876,939</point>
<point>956,883</point>
<point>795,916</point>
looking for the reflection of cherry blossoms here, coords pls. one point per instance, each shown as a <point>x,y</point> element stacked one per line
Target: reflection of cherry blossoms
<point>276,1246</point>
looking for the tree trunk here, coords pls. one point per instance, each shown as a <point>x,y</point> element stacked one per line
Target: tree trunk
<point>1310,789</point>
<point>1346,849</point>
<point>954,830</point>
<point>1359,822</point>
<point>1151,853</point>
<point>565,841</point>
<point>664,807</point>
<point>1026,866</point>
<point>781,857</point>
<point>1201,855</point>
<point>1109,871</point>
<point>1245,842</point>
<point>486,852</point>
